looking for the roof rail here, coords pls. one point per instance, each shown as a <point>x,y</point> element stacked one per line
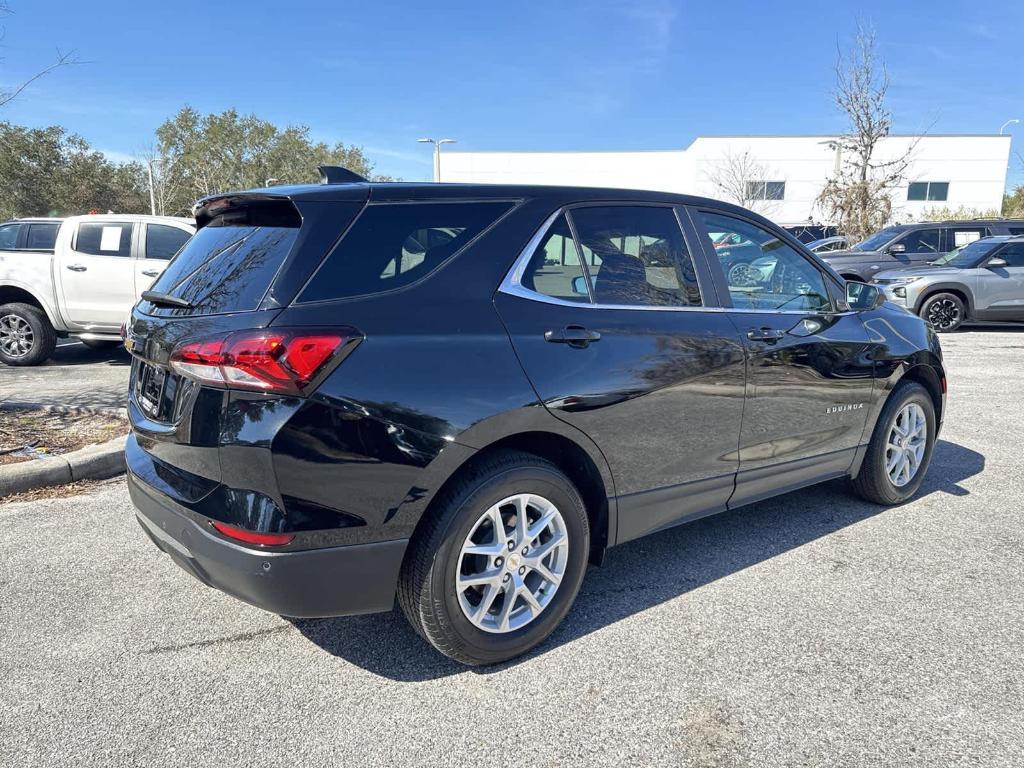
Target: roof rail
<point>335,174</point>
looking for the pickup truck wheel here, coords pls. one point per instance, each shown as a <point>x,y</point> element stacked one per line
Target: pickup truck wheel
<point>944,312</point>
<point>900,448</point>
<point>26,336</point>
<point>499,562</point>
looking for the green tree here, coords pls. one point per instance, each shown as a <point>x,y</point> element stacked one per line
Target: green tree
<point>1013,203</point>
<point>198,155</point>
<point>49,172</point>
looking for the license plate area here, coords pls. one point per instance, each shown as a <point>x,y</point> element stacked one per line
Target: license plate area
<point>151,392</point>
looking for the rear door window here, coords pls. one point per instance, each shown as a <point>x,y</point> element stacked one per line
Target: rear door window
<point>636,256</point>
<point>392,245</point>
<point>958,237</point>
<point>107,238</point>
<point>41,237</point>
<point>163,241</point>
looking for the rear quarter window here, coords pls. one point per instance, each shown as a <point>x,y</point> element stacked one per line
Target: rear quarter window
<point>392,245</point>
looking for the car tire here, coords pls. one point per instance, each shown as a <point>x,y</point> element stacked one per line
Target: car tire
<point>26,336</point>
<point>944,312</point>
<point>444,613</point>
<point>879,479</point>
<point>101,343</point>
<point>741,274</point>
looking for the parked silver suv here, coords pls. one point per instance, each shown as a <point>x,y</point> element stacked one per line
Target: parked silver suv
<point>982,281</point>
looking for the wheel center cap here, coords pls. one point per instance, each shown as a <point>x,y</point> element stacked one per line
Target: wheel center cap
<point>513,562</point>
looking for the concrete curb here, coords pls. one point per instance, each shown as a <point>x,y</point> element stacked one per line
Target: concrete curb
<point>94,462</point>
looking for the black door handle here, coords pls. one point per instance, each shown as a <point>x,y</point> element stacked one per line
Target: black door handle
<point>573,335</point>
<point>771,335</point>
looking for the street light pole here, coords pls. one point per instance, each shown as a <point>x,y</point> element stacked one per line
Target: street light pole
<point>152,195</point>
<point>437,154</point>
<point>1008,122</point>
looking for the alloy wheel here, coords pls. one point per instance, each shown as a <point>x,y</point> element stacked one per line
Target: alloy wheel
<point>16,336</point>
<point>904,450</point>
<point>511,563</point>
<point>943,314</point>
<point>744,275</point>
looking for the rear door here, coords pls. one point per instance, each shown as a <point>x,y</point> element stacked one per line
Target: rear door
<point>40,236</point>
<point>809,375</point>
<point>616,326</point>
<point>96,275</point>
<point>159,242</point>
<point>9,234</point>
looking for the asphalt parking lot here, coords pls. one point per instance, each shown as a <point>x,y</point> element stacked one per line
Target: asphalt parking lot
<point>812,629</point>
<point>75,375</point>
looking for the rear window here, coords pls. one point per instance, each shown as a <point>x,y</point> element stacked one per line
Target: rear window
<point>225,269</point>
<point>162,241</point>
<point>231,262</point>
<point>393,245</point>
<point>41,237</point>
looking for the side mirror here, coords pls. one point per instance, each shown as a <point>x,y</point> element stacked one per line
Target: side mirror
<point>579,285</point>
<point>996,263</point>
<point>861,296</point>
<point>897,248</point>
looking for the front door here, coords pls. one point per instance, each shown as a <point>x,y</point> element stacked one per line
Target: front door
<point>999,291</point>
<point>809,376</point>
<point>96,275</point>
<point>617,335</point>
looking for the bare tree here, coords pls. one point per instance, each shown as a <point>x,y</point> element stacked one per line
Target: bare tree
<point>164,179</point>
<point>858,198</point>
<point>10,93</point>
<point>740,178</point>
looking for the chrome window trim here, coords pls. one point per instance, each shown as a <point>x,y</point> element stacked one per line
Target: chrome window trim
<point>512,286</point>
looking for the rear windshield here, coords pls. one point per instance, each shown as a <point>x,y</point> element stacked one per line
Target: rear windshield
<point>393,245</point>
<point>230,263</point>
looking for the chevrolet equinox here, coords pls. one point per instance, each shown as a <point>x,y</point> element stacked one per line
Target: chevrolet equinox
<point>461,395</point>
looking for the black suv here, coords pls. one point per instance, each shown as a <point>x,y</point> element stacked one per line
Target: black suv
<point>914,245</point>
<point>462,394</point>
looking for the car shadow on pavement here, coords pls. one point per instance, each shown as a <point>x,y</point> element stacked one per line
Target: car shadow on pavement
<point>79,354</point>
<point>644,573</point>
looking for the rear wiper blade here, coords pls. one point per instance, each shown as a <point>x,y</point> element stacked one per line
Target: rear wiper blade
<point>166,300</point>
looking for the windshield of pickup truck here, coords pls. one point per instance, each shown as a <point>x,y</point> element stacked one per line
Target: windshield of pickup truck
<point>877,240</point>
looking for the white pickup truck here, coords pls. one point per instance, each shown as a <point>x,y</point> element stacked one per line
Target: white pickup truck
<point>86,286</point>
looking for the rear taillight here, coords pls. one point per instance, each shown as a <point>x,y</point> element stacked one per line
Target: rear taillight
<point>252,537</point>
<point>283,361</point>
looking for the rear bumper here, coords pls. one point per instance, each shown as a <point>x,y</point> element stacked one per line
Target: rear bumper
<point>333,581</point>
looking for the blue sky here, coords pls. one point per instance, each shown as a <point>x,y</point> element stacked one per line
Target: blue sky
<point>605,74</point>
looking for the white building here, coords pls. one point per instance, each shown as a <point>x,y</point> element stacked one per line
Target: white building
<point>946,171</point>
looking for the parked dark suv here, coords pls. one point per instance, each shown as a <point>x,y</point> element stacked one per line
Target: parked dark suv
<point>461,394</point>
<point>914,245</point>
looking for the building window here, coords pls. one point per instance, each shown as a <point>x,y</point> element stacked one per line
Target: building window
<point>928,190</point>
<point>766,190</point>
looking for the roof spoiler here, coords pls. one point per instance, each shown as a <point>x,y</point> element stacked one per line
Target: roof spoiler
<point>335,174</point>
